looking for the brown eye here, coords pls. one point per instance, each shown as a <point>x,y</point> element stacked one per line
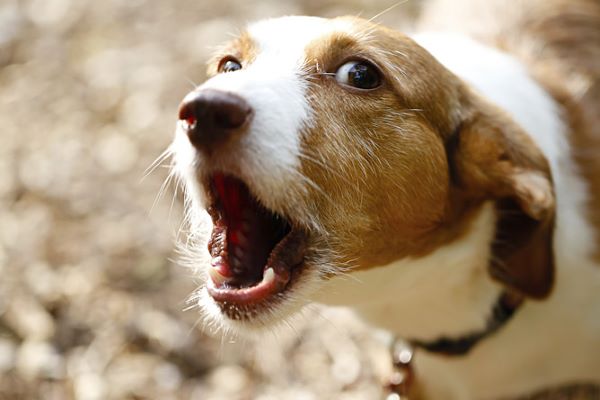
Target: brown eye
<point>358,74</point>
<point>229,64</point>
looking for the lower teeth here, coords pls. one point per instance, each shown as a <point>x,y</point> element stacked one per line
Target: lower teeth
<point>269,275</point>
<point>216,276</point>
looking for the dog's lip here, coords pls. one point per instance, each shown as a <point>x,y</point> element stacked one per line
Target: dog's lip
<point>269,285</point>
<point>286,258</point>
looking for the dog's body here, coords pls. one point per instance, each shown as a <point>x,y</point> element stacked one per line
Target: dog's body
<point>438,192</point>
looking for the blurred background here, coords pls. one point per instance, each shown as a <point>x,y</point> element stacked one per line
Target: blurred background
<point>91,297</point>
<point>92,301</point>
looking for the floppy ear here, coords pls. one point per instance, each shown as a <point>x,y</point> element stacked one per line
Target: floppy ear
<point>493,159</point>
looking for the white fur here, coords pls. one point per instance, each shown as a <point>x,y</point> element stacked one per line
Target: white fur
<point>554,341</point>
<point>449,288</point>
<point>274,85</point>
<point>268,157</point>
<point>417,290</point>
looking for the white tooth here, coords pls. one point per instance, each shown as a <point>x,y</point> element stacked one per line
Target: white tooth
<point>269,275</point>
<point>217,260</point>
<point>216,277</point>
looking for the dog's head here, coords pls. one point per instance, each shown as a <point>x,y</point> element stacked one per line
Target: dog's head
<point>323,146</point>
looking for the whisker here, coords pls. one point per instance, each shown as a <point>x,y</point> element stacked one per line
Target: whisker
<point>174,197</point>
<point>321,73</point>
<point>322,164</point>
<point>191,82</point>
<point>157,162</point>
<point>401,2</point>
<point>312,184</point>
<point>193,327</point>
<point>162,190</point>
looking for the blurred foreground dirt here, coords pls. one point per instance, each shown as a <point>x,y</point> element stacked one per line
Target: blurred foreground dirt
<point>91,302</point>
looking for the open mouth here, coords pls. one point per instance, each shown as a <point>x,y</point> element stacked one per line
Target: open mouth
<point>255,252</point>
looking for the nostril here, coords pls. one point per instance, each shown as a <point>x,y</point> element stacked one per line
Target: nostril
<point>212,115</point>
<point>230,117</point>
<point>187,114</point>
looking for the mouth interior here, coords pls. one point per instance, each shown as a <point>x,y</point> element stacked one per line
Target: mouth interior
<point>244,236</point>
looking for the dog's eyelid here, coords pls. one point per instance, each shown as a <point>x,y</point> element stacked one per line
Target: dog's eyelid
<point>367,75</point>
<point>229,63</point>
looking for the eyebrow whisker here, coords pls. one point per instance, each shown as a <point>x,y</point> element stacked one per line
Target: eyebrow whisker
<point>322,73</point>
<point>390,8</point>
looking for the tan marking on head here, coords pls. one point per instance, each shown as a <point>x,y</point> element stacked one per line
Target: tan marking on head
<point>406,165</point>
<point>387,175</point>
<point>242,48</point>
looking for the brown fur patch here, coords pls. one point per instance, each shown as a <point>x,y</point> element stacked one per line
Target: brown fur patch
<point>242,48</point>
<point>386,174</point>
<point>559,40</point>
<point>396,185</point>
<point>495,159</point>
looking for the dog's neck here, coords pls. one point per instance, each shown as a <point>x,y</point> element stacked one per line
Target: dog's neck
<point>451,286</point>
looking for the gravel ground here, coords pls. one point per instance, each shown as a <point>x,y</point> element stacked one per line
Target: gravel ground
<point>92,305</point>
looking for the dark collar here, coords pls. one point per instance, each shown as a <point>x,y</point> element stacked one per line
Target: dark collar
<point>503,310</point>
<point>403,375</point>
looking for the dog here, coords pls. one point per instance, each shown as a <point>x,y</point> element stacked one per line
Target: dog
<point>445,185</point>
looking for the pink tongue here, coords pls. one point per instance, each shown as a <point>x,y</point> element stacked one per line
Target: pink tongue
<point>231,199</point>
<point>245,257</point>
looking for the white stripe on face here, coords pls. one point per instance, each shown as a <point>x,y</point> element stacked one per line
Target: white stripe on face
<point>274,84</point>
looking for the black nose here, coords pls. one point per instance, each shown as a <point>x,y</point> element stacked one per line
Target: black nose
<point>211,116</point>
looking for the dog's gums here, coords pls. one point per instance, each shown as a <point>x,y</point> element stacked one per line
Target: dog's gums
<point>254,251</point>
